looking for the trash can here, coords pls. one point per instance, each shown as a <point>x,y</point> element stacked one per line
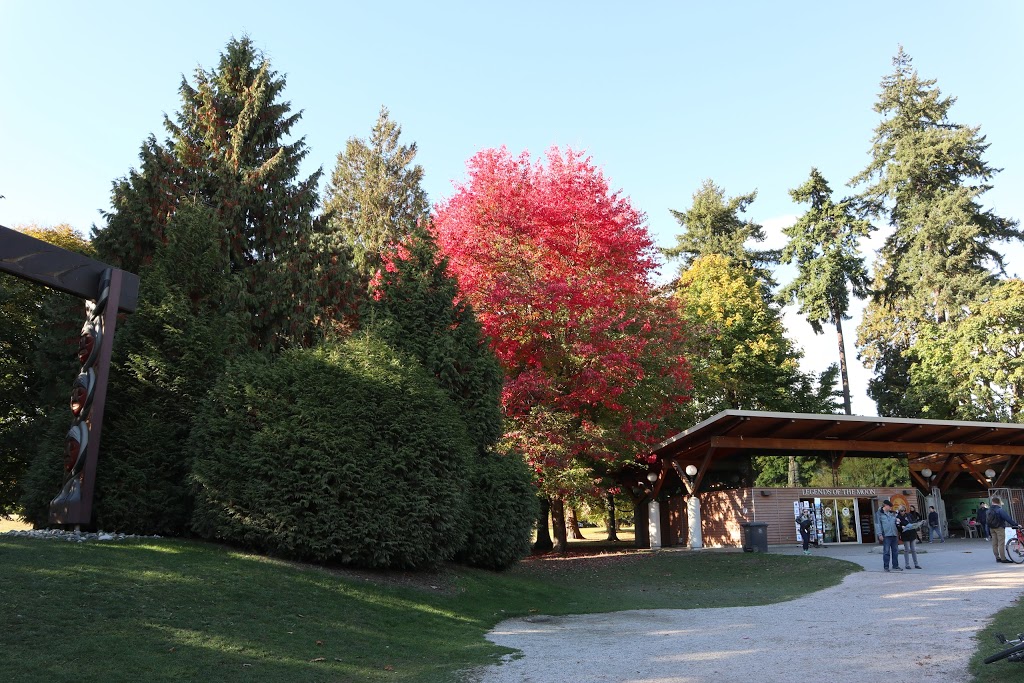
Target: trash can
<point>755,537</point>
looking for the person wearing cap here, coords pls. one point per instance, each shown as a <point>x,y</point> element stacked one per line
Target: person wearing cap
<point>888,535</point>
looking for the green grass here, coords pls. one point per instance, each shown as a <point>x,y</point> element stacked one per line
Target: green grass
<point>159,610</point>
<point>1009,622</point>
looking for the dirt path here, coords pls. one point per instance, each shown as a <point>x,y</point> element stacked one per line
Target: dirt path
<point>910,625</point>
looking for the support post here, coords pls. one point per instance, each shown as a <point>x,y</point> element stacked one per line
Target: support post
<point>654,523</point>
<point>693,519</point>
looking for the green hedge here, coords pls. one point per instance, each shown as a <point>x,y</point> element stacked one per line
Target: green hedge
<point>348,453</point>
<point>502,512</point>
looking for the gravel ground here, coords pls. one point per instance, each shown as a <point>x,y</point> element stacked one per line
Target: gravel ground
<point>913,625</point>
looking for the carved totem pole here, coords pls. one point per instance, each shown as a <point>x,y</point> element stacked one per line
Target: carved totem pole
<point>107,291</point>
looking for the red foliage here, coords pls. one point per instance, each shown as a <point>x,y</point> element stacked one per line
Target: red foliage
<point>558,268</point>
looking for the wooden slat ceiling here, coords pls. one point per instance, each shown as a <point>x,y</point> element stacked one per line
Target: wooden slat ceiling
<point>948,448</point>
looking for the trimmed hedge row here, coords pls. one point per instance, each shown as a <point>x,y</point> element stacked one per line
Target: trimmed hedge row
<point>348,454</point>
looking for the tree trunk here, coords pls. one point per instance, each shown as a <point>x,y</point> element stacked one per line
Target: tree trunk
<point>543,543</point>
<point>574,525</point>
<point>610,520</point>
<point>793,472</point>
<point>558,525</point>
<point>842,365</point>
<point>640,518</point>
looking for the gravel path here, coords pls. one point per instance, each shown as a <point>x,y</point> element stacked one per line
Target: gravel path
<point>910,625</point>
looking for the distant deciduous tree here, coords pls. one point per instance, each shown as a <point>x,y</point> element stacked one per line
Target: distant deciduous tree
<point>745,361</point>
<point>38,340</point>
<point>973,370</point>
<point>742,358</point>
<point>558,268</point>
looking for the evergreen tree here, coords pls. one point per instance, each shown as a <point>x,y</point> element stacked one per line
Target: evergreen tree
<point>375,195</point>
<point>416,308</point>
<point>824,243</point>
<point>227,150</point>
<point>926,176</point>
<point>973,370</point>
<point>712,225</point>
<point>168,354</point>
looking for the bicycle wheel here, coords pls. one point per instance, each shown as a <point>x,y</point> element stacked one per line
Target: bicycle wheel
<point>1019,647</point>
<point>1015,550</point>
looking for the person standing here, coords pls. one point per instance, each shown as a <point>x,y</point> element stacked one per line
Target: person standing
<point>983,520</point>
<point>914,516</point>
<point>998,520</point>
<point>804,523</point>
<point>933,525</point>
<point>888,536</point>
<point>908,536</point>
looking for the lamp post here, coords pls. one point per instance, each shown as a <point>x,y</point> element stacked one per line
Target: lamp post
<point>693,509</point>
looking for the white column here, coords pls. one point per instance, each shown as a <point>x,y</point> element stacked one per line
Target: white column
<point>693,516</point>
<point>654,524</point>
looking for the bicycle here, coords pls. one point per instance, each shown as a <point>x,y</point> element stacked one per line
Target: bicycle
<point>1015,546</point>
<point>1015,652</point>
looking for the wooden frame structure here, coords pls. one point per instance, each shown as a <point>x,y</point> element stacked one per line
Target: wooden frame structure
<point>948,449</point>
<point>112,291</point>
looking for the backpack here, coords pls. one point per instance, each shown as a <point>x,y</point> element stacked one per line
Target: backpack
<point>994,519</point>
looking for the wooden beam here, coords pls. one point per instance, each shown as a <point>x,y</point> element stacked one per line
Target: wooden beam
<point>703,468</point>
<point>61,269</point>
<point>1011,465</point>
<point>755,443</point>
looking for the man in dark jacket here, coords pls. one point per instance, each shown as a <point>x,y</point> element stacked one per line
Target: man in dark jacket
<point>998,520</point>
<point>933,525</point>
<point>983,520</point>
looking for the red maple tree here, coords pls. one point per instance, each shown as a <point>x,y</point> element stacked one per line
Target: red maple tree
<point>559,269</point>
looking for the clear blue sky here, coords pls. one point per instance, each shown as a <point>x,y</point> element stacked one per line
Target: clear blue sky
<point>662,95</point>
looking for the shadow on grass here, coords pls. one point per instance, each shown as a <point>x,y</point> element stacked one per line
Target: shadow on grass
<point>183,610</point>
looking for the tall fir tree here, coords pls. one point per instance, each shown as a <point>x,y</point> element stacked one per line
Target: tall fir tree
<point>926,176</point>
<point>228,150</point>
<point>713,225</point>
<point>375,195</point>
<point>825,245</point>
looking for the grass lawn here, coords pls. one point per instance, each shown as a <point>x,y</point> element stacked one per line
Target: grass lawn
<point>181,610</point>
<point>1009,622</point>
